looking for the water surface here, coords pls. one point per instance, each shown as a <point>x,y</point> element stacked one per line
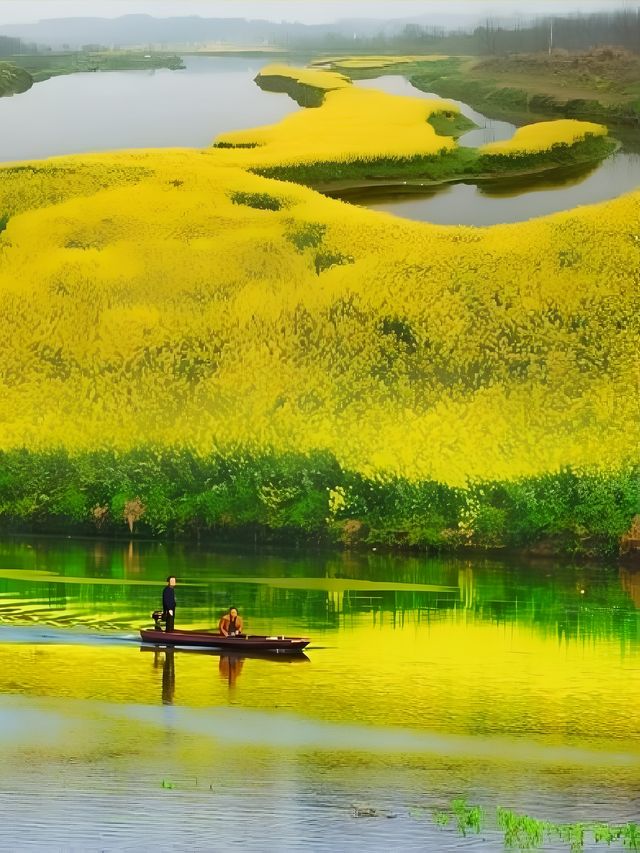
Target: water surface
<point>101,111</point>
<point>494,201</point>
<point>426,679</point>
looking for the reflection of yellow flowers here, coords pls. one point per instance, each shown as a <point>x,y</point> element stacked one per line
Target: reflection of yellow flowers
<point>139,305</point>
<point>543,135</point>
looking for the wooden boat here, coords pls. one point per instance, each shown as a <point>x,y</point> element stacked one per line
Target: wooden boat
<point>209,639</point>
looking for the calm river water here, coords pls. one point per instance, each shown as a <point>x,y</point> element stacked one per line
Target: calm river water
<point>426,679</point>
<point>490,202</point>
<point>130,109</point>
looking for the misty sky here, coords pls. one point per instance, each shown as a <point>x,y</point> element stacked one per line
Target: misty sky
<point>307,11</point>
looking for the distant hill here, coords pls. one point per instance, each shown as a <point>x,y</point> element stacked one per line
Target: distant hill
<point>480,33</point>
<point>145,29</point>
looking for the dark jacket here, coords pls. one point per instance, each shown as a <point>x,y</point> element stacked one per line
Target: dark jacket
<point>169,599</point>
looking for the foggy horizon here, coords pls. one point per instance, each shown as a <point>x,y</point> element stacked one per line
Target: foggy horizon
<point>294,11</point>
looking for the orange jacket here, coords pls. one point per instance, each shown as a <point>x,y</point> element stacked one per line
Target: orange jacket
<point>223,625</point>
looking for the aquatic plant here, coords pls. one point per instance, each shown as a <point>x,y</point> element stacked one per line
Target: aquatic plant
<point>467,817</point>
<point>523,832</point>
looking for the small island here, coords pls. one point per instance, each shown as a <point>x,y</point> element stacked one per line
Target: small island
<point>356,138</point>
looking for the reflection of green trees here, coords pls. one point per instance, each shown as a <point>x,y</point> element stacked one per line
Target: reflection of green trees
<point>309,589</point>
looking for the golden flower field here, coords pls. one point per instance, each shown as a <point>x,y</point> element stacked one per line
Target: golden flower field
<point>186,342</point>
<point>352,124</point>
<point>543,135</point>
<point>318,79</point>
<point>149,299</point>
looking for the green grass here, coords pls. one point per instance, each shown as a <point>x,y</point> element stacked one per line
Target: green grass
<point>180,494</point>
<point>258,201</point>
<point>494,98</point>
<point>451,124</point>
<point>42,66</point>
<point>522,832</point>
<point>302,93</point>
<point>434,168</point>
<point>452,165</point>
<point>13,80</point>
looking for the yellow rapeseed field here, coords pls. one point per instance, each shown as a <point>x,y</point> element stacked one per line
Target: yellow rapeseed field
<point>543,135</point>
<point>365,125</point>
<point>351,124</point>
<point>152,298</point>
<point>307,76</point>
<point>364,62</point>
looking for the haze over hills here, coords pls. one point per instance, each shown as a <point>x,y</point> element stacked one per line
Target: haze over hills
<point>145,29</point>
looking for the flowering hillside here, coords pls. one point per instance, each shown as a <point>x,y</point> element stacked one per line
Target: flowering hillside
<point>164,299</point>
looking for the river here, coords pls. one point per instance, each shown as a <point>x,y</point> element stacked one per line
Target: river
<point>131,109</point>
<point>502,682</point>
<point>507,200</point>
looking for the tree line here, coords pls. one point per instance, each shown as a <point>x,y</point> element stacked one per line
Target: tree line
<point>494,36</point>
<point>10,45</point>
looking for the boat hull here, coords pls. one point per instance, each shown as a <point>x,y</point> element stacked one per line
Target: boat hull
<point>208,639</point>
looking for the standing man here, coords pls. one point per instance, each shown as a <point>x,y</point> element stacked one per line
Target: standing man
<point>169,603</point>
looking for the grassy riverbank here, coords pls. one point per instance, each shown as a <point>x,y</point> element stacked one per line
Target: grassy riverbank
<point>310,499</point>
<point>42,66</point>
<point>13,80</point>
<point>601,85</point>
<point>467,163</point>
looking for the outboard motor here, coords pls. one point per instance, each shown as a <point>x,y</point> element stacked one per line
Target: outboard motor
<point>158,617</point>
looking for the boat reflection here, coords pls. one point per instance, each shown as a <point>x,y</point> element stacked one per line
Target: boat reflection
<point>167,660</point>
<point>230,667</point>
<point>230,664</point>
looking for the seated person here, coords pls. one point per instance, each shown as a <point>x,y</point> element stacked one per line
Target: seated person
<point>231,623</point>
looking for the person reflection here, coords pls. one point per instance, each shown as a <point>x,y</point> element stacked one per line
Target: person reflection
<point>168,674</point>
<point>230,667</point>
